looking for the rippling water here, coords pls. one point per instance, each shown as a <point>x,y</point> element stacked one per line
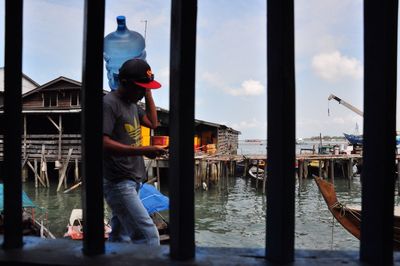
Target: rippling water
<point>233,214</point>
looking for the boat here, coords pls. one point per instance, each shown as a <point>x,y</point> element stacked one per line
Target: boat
<point>357,140</point>
<point>75,226</point>
<point>155,202</point>
<point>152,200</point>
<point>33,222</point>
<point>257,172</point>
<point>354,139</point>
<point>350,216</point>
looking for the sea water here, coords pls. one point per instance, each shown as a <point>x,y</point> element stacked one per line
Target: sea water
<point>232,214</point>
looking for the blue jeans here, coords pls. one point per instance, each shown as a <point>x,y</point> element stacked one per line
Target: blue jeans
<point>130,219</point>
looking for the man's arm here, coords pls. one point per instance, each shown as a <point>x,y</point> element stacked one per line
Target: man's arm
<point>150,118</point>
<point>118,149</point>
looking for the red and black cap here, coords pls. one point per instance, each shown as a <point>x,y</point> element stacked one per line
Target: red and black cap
<point>138,72</point>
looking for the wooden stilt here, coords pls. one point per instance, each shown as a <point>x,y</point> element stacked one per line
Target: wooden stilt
<point>34,169</point>
<point>76,172</point>
<point>64,170</point>
<point>36,179</point>
<point>258,166</point>
<point>305,168</point>
<point>300,169</point>
<point>43,166</point>
<point>265,177</point>
<point>245,167</point>
<point>320,168</point>
<point>351,169</point>
<point>332,170</point>
<point>24,173</point>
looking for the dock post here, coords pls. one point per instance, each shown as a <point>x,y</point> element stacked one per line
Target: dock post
<point>245,167</point>
<point>24,173</point>
<point>264,177</point>
<point>305,168</point>
<point>257,174</point>
<point>320,168</point>
<point>76,172</point>
<point>332,171</point>
<point>326,168</point>
<point>300,169</point>
<point>351,169</point>
<point>35,167</point>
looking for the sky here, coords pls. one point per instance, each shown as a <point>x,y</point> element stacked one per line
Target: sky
<point>230,57</point>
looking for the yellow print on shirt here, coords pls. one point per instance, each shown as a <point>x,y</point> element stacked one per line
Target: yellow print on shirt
<point>134,132</point>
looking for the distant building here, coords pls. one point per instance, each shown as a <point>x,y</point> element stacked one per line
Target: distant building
<point>51,124</point>
<point>27,84</point>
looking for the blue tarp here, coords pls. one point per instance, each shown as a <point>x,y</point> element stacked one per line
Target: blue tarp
<point>152,199</point>
<point>26,201</point>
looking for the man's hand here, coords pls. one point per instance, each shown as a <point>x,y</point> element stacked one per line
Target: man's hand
<point>154,151</point>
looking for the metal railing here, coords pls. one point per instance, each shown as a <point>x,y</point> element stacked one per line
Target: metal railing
<point>380,42</point>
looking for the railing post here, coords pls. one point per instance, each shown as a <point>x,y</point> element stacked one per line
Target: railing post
<point>92,128</point>
<point>378,175</point>
<point>181,130</point>
<point>13,130</point>
<point>281,131</point>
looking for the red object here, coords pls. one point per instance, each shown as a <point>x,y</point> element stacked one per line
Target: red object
<point>160,140</point>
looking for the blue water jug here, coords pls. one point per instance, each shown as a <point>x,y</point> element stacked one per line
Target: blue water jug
<point>119,46</point>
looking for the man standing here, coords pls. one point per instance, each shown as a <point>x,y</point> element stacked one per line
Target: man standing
<point>124,168</point>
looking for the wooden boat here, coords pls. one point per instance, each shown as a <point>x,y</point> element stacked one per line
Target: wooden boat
<point>75,226</point>
<point>257,173</point>
<point>256,169</point>
<point>33,223</point>
<point>348,216</point>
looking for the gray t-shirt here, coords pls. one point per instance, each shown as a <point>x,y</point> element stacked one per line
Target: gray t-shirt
<point>121,122</point>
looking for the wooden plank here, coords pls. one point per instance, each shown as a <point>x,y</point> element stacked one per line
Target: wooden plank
<point>181,130</point>
<point>281,131</point>
<point>13,120</point>
<point>34,169</point>
<point>92,128</point>
<point>380,70</point>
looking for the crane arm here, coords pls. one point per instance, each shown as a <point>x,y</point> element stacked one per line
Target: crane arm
<point>351,107</point>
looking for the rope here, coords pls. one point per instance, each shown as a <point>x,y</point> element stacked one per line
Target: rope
<point>344,210</point>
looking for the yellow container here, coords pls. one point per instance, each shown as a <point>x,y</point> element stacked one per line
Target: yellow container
<point>197,142</point>
<point>145,140</point>
<point>145,131</point>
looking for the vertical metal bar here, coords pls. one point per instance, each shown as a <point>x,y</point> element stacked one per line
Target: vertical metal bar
<point>13,130</point>
<point>182,93</point>
<point>378,175</point>
<point>92,127</point>
<point>281,131</point>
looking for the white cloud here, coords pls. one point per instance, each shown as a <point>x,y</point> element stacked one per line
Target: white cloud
<point>334,66</point>
<point>253,123</point>
<point>249,87</point>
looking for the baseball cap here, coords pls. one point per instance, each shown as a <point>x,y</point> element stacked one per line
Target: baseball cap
<point>138,72</point>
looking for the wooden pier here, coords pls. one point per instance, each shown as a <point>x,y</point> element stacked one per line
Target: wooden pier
<point>211,169</point>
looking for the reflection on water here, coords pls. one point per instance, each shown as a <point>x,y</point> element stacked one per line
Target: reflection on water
<point>233,214</point>
<point>58,205</point>
<point>230,215</point>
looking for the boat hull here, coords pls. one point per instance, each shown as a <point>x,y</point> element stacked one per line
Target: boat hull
<point>348,217</point>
